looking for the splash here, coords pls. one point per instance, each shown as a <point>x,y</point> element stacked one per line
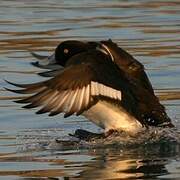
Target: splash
<point>54,140</point>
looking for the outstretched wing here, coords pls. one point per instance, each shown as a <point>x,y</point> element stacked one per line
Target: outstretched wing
<point>129,64</point>
<point>72,91</point>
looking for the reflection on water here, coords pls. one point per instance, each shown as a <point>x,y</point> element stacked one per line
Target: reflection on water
<point>147,29</point>
<point>113,165</point>
<point>115,162</point>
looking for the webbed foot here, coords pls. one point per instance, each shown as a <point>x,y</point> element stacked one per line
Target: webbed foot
<point>110,132</point>
<point>87,135</point>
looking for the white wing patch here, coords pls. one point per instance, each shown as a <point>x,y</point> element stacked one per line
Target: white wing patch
<point>100,89</point>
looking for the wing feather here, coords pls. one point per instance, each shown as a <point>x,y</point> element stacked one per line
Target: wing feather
<point>72,91</point>
<point>38,99</point>
<point>58,105</point>
<point>103,90</point>
<point>49,103</point>
<point>72,109</point>
<point>87,96</point>
<point>81,96</point>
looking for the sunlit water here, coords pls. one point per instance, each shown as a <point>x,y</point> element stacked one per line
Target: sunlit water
<point>149,30</point>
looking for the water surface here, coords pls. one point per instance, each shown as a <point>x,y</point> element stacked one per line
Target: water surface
<point>147,29</point>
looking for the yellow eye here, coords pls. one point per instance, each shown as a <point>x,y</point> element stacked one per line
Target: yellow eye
<point>66,51</point>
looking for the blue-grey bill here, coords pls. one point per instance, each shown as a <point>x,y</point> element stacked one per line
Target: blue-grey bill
<point>45,62</point>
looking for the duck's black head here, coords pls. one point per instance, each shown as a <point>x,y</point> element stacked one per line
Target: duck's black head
<point>67,49</point>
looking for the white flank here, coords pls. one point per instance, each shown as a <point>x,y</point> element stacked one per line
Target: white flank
<point>109,116</point>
